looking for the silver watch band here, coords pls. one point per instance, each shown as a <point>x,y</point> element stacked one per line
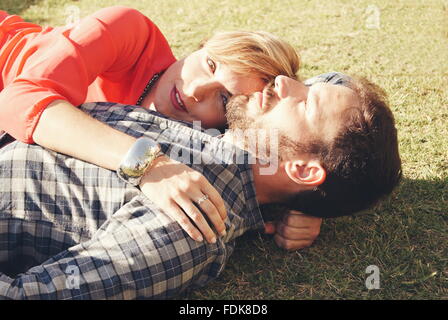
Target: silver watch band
<point>137,160</point>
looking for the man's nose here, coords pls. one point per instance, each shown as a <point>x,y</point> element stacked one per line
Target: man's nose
<point>201,88</point>
<point>288,87</point>
<point>281,87</point>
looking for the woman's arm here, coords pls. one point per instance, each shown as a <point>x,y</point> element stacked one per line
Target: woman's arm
<point>118,44</point>
<point>174,186</point>
<point>68,130</point>
<point>39,105</point>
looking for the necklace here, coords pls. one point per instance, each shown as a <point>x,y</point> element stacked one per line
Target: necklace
<point>148,88</point>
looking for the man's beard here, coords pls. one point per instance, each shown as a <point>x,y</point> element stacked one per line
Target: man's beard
<point>236,113</point>
<point>238,118</point>
<point>248,130</point>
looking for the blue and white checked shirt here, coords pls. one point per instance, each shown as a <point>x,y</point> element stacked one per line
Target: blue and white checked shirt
<point>336,78</point>
<point>72,230</point>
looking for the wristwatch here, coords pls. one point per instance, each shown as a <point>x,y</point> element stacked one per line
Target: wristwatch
<point>138,159</point>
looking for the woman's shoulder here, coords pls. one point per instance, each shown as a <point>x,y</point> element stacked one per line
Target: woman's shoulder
<point>120,15</point>
<point>124,22</point>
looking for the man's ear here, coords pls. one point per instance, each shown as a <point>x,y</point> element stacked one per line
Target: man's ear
<point>306,173</point>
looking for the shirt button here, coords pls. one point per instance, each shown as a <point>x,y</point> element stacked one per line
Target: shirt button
<point>163,125</point>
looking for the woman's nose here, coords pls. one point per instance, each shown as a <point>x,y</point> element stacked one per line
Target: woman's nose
<point>200,89</point>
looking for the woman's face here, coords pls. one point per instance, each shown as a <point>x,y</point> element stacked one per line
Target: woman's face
<point>197,88</point>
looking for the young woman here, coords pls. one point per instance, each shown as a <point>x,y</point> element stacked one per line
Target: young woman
<point>118,55</point>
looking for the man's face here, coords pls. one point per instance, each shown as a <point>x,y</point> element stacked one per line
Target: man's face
<point>299,112</point>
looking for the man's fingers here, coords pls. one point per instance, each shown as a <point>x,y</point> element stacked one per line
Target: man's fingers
<point>269,227</point>
<point>300,220</point>
<point>292,233</point>
<point>288,232</point>
<point>291,244</point>
<point>295,212</point>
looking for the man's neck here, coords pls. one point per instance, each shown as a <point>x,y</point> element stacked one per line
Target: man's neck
<point>262,187</point>
<point>269,179</point>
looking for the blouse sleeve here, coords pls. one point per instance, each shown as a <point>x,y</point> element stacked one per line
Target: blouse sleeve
<point>63,63</point>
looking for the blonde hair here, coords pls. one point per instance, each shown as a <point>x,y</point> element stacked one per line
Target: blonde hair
<point>259,52</point>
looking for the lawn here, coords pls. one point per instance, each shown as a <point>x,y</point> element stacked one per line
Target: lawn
<point>402,46</point>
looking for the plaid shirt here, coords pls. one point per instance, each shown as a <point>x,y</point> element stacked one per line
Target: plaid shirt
<point>336,78</point>
<point>76,231</point>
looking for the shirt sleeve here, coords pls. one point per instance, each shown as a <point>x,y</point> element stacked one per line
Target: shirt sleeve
<point>62,63</point>
<point>135,254</point>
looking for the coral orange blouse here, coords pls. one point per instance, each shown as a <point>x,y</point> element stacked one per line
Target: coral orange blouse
<point>108,56</point>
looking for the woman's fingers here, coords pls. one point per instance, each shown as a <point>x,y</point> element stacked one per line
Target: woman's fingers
<point>214,197</point>
<point>178,215</point>
<point>212,213</point>
<point>179,191</point>
<point>197,218</point>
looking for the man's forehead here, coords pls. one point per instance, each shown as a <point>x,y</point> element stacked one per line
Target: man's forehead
<point>334,99</point>
<point>337,91</point>
<point>332,103</point>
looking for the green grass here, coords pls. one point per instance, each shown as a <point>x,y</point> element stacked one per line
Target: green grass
<point>406,236</point>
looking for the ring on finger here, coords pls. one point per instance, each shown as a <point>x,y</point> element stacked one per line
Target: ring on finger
<point>202,199</point>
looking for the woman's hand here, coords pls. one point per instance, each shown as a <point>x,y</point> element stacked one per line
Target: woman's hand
<point>177,189</point>
<point>172,185</point>
<point>295,231</point>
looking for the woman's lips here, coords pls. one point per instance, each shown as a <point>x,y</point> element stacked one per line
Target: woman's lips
<point>177,101</point>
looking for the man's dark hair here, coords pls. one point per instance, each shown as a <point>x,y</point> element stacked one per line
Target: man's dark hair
<point>362,163</point>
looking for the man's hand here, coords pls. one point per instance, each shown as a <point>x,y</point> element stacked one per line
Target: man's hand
<point>295,231</point>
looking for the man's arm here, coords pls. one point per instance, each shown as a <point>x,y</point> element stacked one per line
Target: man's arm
<point>138,253</point>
